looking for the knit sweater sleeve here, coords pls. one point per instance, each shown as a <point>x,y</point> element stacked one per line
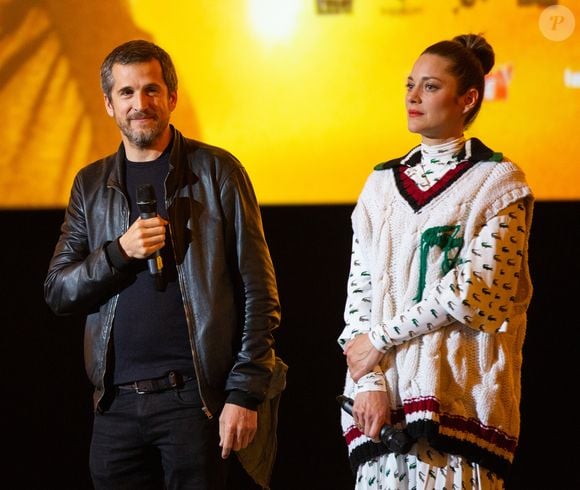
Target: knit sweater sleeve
<point>357,313</point>
<point>478,292</point>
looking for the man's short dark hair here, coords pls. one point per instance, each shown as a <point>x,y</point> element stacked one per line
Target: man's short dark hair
<point>137,51</point>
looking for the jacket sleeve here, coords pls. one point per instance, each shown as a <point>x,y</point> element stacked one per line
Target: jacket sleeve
<point>254,362</point>
<point>78,278</point>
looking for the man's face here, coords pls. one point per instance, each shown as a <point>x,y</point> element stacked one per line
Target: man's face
<point>140,103</point>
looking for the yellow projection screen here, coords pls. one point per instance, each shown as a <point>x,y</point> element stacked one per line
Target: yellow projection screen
<point>308,94</point>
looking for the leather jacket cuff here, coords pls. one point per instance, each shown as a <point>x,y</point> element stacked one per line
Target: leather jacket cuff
<point>242,399</point>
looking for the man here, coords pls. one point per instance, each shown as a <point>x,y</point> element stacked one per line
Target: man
<point>182,359</point>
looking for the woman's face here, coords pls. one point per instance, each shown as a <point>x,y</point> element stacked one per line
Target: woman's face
<point>434,109</point>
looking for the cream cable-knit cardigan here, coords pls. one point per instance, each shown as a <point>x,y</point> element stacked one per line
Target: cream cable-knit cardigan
<point>458,385</point>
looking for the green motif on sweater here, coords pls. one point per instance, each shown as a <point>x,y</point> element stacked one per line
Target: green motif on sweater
<point>444,237</point>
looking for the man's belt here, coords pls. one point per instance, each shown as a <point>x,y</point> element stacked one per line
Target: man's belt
<point>172,380</point>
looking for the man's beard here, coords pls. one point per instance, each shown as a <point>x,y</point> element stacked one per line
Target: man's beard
<point>144,137</point>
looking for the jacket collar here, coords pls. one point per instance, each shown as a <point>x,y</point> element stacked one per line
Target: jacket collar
<point>117,174</point>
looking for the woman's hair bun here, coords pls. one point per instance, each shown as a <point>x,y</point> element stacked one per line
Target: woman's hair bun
<point>481,49</point>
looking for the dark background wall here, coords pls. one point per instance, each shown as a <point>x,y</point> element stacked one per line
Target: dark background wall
<point>46,398</point>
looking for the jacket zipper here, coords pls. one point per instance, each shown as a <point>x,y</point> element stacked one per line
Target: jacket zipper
<point>113,306</point>
<point>189,319</point>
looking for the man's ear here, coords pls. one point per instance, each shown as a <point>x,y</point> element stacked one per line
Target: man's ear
<point>172,101</point>
<point>108,106</point>
<point>470,98</point>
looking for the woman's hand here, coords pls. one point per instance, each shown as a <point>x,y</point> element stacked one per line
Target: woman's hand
<point>370,412</point>
<point>361,356</point>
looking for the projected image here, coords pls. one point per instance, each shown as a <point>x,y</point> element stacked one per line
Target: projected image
<point>50,55</point>
<point>307,94</point>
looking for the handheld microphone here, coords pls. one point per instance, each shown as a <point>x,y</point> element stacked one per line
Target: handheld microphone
<point>147,204</point>
<point>396,440</point>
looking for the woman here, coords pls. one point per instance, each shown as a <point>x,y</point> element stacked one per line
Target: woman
<point>438,292</point>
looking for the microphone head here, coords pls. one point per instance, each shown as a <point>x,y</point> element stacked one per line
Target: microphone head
<point>146,194</point>
<point>398,441</point>
<point>146,201</point>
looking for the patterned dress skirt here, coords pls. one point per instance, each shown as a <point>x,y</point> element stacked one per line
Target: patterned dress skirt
<point>425,468</point>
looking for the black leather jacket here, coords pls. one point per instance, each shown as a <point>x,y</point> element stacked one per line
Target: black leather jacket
<point>224,267</point>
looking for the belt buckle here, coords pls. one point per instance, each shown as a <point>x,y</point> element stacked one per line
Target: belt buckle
<point>146,386</point>
<point>138,390</point>
<point>171,381</point>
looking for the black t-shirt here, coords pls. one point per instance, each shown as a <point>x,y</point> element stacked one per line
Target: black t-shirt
<point>150,336</point>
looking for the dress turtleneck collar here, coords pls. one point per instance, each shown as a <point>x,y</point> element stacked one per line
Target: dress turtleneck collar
<point>436,161</point>
<point>442,154</point>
